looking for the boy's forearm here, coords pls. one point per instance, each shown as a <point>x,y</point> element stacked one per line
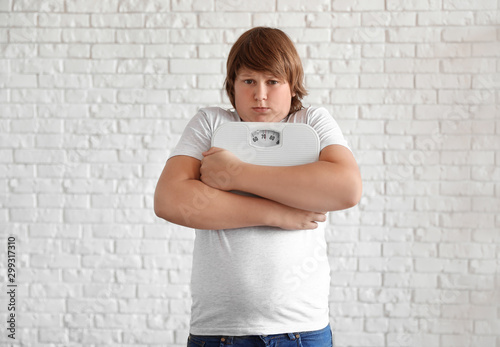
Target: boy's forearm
<point>193,204</point>
<point>319,186</point>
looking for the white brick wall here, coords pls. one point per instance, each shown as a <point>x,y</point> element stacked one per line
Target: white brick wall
<point>94,95</point>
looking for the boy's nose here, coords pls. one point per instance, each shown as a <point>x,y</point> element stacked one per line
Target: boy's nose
<point>260,93</point>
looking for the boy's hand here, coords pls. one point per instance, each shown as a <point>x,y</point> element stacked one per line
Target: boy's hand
<point>220,168</point>
<point>296,219</point>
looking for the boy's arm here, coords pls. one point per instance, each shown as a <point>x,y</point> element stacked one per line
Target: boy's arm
<point>330,184</point>
<point>181,198</point>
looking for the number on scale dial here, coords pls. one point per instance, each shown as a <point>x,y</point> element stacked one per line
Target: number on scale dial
<point>265,138</point>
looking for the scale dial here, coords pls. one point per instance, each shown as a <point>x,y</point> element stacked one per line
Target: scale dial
<point>265,138</point>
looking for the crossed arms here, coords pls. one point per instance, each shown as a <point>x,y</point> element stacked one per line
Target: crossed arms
<point>195,193</point>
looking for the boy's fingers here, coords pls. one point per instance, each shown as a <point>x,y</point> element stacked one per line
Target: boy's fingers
<point>212,150</point>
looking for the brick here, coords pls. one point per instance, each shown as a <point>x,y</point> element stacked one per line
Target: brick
<point>480,96</point>
<point>88,35</point>
<point>5,5</point>
<point>46,305</point>
<point>467,251</point>
<point>418,34</point>
<point>196,36</point>
<point>95,66</point>
<point>20,201</point>
<point>469,34</point>
<point>385,111</point>
<point>359,35</point>
<point>120,171</point>
<point>142,96</point>
<point>469,340</point>
<point>362,5</point>
<point>465,65</point>
<point>65,81</point>
<point>149,67</point>
<point>170,51</point>
<point>466,5</point>
<point>387,19</point>
<point>120,321</point>
<point>211,82</point>
<point>138,36</point>
<point>91,6</point>
<point>36,6</point>
<point>20,19</point>
<point>117,51</point>
<point>208,97</point>
<point>38,156</point>
<point>99,291</point>
<point>65,51</point>
<point>98,337</point>
<point>60,261</point>
<point>396,264</point>
<point>53,336</point>
<point>445,50</point>
<point>452,81</point>
<point>148,306</point>
<point>463,281</point>
<point>144,247</point>
<point>143,6</point>
<point>410,280</point>
<point>309,35</point>
<point>387,81</point>
<point>456,142</point>
<point>358,96</point>
<point>485,174</point>
<point>414,5</point>
<point>151,337</point>
<point>484,49</point>
<point>313,6</point>
<point>63,20</point>
<point>170,20</point>
<point>332,81</point>
<point>224,20</point>
<point>484,266</point>
<point>102,20</point>
<point>115,262</point>
<point>416,249</point>
<point>17,50</point>
<point>193,5</point>
<point>117,81</point>
<point>365,339</point>
<point>436,18</point>
<point>407,65</point>
<point>195,66</point>
<point>486,17</point>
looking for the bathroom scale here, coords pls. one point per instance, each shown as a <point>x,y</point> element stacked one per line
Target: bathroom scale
<point>269,144</point>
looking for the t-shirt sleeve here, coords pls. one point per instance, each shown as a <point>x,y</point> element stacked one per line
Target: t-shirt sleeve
<point>326,127</point>
<point>196,137</point>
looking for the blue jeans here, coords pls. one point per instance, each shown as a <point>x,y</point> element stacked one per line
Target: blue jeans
<point>318,338</point>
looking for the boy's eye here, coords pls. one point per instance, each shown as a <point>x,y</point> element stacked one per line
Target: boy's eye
<point>273,82</point>
<point>248,81</point>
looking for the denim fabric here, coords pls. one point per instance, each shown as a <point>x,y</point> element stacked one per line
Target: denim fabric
<point>318,338</point>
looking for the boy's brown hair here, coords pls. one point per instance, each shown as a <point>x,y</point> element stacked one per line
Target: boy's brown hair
<point>267,50</point>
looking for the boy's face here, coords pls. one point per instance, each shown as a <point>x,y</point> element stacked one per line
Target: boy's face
<point>261,97</point>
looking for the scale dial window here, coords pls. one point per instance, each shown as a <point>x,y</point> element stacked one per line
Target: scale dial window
<point>265,138</point>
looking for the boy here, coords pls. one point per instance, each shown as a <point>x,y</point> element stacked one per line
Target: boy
<point>260,269</point>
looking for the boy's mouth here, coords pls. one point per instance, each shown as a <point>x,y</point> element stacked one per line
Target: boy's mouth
<point>260,109</point>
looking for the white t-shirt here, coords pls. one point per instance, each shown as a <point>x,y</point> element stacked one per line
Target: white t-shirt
<point>258,280</point>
